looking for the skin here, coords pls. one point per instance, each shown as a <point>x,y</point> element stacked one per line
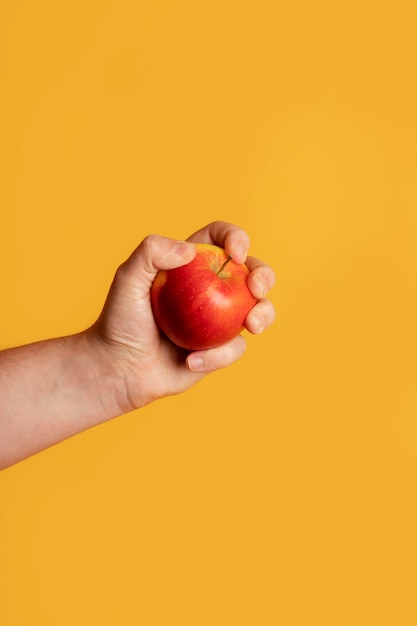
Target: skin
<point>56,388</point>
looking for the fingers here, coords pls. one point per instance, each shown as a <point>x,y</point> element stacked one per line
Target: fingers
<point>206,361</point>
<point>228,236</point>
<point>161,253</point>
<point>153,254</point>
<point>260,317</point>
<point>261,278</point>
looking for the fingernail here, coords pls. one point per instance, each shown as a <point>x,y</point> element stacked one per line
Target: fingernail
<point>195,363</point>
<point>257,324</point>
<point>240,253</point>
<point>260,288</point>
<point>183,248</point>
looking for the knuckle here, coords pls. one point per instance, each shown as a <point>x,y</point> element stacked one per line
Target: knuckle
<point>148,251</point>
<point>148,244</point>
<point>122,272</point>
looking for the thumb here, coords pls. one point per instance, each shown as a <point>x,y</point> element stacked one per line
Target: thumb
<point>153,254</point>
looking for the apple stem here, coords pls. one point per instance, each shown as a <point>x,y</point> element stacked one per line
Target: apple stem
<point>229,258</point>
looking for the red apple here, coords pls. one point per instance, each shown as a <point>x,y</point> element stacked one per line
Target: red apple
<point>204,303</point>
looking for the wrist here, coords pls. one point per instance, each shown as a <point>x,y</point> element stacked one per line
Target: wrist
<point>106,372</point>
<point>53,389</point>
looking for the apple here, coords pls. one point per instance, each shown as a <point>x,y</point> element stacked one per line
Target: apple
<point>204,303</point>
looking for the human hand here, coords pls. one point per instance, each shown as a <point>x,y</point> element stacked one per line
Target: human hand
<point>53,389</point>
<point>146,365</point>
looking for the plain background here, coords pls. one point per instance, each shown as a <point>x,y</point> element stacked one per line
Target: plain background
<point>284,489</point>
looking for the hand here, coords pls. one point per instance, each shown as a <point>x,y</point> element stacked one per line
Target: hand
<point>146,365</point>
<point>53,389</point>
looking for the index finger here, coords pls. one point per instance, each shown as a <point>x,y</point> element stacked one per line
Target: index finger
<point>232,238</point>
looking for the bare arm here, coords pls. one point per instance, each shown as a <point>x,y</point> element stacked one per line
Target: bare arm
<point>56,388</point>
<point>51,390</point>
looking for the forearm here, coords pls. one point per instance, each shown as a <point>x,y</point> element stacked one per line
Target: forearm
<point>54,389</point>
<point>51,390</point>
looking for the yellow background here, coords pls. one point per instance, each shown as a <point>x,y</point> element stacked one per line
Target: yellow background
<point>284,489</point>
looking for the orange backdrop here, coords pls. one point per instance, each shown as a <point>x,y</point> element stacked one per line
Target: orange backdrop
<point>284,489</point>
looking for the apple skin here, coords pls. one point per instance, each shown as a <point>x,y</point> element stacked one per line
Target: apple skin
<point>199,307</point>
